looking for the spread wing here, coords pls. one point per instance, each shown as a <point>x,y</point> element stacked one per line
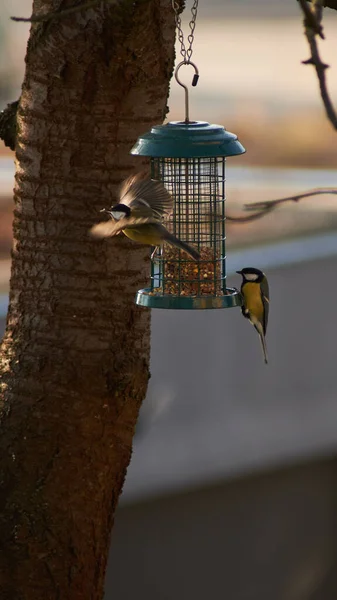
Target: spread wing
<point>112,227</point>
<point>265,301</point>
<point>146,196</point>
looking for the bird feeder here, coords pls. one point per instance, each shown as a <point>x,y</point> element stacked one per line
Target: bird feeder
<point>188,157</point>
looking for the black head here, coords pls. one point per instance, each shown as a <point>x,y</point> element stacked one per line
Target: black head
<point>120,211</point>
<point>251,274</point>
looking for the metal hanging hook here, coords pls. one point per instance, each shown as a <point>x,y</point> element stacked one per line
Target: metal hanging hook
<point>194,83</point>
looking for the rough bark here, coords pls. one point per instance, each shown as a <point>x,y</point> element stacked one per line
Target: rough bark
<point>74,359</point>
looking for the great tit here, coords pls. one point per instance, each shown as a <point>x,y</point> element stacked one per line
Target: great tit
<point>255,293</point>
<point>142,206</point>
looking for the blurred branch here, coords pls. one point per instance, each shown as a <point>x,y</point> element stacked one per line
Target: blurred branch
<point>267,206</point>
<point>267,203</point>
<point>329,4</point>
<point>57,15</point>
<point>254,217</point>
<point>313,27</point>
<point>311,20</point>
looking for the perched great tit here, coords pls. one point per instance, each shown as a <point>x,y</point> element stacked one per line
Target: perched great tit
<point>255,293</point>
<point>142,206</point>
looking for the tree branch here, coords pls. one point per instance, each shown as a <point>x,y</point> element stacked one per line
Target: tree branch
<point>312,26</point>
<point>57,15</point>
<point>267,206</point>
<point>295,198</point>
<point>249,218</point>
<point>329,4</point>
<point>310,18</point>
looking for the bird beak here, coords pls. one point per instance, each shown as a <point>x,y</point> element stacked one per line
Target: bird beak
<point>239,272</point>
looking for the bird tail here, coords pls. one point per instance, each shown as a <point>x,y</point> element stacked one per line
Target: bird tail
<point>174,241</point>
<point>264,347</point>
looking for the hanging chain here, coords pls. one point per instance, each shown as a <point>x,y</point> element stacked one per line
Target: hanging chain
<point>185,53</point>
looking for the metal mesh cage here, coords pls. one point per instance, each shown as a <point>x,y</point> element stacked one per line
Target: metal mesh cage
<point>197,186</point>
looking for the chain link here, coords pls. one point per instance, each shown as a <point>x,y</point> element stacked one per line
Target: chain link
<point>185,53</point>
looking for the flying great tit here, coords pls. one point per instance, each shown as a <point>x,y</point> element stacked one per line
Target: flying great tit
<point>142,206</point>
<point>255,293</point>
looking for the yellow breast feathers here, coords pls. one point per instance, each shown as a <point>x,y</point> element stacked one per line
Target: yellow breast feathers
<point>147,234</point>
<point>253,301</point>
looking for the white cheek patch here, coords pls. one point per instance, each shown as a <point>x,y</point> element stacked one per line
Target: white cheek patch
<point>117,214</point>
<point>251,276</point>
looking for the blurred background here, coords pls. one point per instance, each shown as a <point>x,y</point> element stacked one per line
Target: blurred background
<point>231,491</point>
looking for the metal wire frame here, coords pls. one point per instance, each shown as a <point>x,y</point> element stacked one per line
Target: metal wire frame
<point>198,189</point>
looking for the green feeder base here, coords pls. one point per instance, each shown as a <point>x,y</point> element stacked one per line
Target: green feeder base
<point>152,300</point>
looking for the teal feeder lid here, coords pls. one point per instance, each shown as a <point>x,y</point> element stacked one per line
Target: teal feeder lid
<point>189,158</point>
<point>188,140</point>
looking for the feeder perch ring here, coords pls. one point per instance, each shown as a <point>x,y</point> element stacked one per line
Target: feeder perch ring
<point>150,299</point>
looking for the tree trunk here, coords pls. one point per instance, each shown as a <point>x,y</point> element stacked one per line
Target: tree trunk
<point>74,360</point>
